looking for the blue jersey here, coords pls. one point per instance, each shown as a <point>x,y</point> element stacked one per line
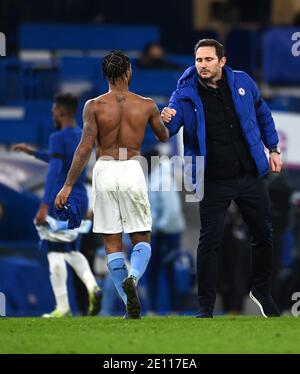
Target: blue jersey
<point>62,146</point>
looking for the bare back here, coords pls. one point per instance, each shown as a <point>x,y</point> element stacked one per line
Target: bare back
<point>121,118</point>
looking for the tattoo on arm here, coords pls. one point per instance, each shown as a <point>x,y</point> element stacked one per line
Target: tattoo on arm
<point>86,144</point>
<point>161,123</point>
<point>159,128</point>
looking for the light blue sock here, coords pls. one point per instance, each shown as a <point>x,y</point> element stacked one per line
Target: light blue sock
<point>118,271</point>
<point>139,259</point>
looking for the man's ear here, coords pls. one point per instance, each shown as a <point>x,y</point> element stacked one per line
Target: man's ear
<point>129,73</point>
<point>223,61</point>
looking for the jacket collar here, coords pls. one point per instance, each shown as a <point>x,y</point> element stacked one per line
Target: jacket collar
<point>187,85</point>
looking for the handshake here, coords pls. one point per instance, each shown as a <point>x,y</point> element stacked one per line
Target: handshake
<point>167,114</point>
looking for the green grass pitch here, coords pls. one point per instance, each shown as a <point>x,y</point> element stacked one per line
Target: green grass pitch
<point>150,335</point>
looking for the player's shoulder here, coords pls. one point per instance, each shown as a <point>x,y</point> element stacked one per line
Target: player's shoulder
<point>96,103</point>
<point>147,101</point>
<point>90,104</point>
<point>142,98</point>
<point>57,135</point>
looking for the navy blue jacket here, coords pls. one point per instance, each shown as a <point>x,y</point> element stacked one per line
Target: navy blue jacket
<point>255,116</point>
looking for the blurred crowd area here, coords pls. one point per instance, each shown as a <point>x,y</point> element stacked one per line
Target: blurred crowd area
<point>179,22</point>
<point>58,47</point>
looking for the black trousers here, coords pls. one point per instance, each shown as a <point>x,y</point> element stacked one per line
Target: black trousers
<point>251,195</point>
<point>164,250</point>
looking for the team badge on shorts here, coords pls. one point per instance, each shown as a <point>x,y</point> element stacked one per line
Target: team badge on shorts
<point>242,91</point>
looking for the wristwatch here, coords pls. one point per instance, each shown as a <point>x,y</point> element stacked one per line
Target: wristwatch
<point>275,150</point>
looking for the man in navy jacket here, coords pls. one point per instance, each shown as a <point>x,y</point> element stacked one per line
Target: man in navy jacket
<point>225,120</point>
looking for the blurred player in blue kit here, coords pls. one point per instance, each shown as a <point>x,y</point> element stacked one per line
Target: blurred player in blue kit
<point>62,145</point>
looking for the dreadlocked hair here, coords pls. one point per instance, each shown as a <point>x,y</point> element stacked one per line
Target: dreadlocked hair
<point>115,65</point>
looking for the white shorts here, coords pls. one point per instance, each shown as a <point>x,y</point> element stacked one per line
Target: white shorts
<point>120,199</point>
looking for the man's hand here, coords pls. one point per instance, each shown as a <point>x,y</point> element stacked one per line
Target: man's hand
<point>62,197</point>
<point>167,114</point>
<point>275,162</point>
<point>41,215</point>
<point>22,147</point>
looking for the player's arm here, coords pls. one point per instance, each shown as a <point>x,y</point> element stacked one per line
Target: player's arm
<point>56,151</point>
<point>82,154</point>
<point>40,155</point>
<point>158,127</point>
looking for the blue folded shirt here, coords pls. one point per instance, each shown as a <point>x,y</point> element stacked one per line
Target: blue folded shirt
<point>71,212</point>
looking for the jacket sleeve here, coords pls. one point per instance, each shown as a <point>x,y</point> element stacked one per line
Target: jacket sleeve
<point>177,121</point>
<point>264,118</point>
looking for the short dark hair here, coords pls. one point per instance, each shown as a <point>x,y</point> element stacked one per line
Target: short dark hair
<point>211,43</point>
<point>68,101</point>
<point>115,65</point>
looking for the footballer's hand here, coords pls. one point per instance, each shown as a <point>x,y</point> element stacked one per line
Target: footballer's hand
<point>22,147</point>
<point>62,197</point>
<point>167,114</point>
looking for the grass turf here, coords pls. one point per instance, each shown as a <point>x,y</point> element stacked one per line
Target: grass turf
<point>150,335</point>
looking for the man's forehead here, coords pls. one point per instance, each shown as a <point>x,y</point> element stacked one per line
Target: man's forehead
<point>205,52</point>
